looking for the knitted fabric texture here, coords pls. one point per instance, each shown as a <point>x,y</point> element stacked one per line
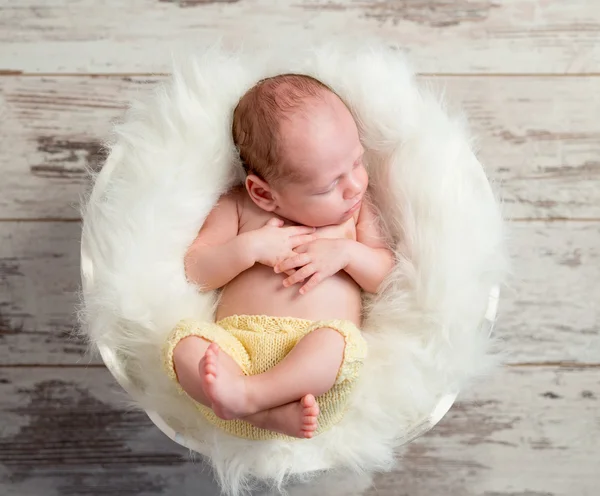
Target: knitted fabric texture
<point>257,343</point>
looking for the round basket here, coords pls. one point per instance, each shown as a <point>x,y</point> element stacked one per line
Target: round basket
<point>428,331</point>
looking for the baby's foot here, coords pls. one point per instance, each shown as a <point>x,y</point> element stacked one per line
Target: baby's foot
<point>224,385</point>
<point>298,419</point>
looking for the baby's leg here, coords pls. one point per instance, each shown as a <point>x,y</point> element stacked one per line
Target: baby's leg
<point>298,419</point>
<point>189,360</point>
<point>310,368</point>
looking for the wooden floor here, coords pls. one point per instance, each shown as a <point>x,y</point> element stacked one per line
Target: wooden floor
<point>527,74</point>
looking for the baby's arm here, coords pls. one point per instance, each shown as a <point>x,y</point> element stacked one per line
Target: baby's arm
<point>369,260</point>
<point>218,254</point>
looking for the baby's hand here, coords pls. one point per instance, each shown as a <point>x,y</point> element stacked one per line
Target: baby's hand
<point>319,260</point>
<point>273,243</point>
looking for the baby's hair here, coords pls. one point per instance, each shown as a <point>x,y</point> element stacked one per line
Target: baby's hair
<point>257,119</point>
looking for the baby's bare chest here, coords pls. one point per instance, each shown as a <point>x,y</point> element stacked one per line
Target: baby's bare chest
<point>255,218</point>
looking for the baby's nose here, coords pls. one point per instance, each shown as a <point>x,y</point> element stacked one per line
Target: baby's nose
<point>353,189</point>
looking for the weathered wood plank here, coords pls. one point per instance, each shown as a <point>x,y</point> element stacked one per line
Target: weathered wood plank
<point>39,280</point>
<point>539,139</point>
<point>540,441</point>
<point>67,432</point>
<point>483,36</point>
<point>549,314</point>
<point>550,311</point>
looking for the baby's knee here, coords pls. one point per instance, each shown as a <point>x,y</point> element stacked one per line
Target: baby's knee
<point>330,338</point>
<point>190,348</point>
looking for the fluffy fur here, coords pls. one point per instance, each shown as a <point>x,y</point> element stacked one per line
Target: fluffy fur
<point>173,157</point>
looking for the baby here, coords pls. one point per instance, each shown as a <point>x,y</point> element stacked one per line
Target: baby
<point>291,249</point>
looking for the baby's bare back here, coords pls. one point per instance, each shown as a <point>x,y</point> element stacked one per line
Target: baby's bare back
<point>259,290</point>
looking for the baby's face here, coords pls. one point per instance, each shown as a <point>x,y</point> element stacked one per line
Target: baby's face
<point>324,149</point>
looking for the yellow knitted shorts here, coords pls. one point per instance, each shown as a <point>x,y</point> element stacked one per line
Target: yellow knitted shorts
<point>257,343</point>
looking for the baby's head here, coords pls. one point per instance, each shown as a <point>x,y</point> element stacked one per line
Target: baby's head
<point>300,147</point>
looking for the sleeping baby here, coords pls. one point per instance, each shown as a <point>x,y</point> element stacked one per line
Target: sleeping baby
<point>292,249</point>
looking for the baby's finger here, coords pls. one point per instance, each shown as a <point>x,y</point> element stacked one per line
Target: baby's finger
<point>275,222</point>
<point>290,272</point>
<point>292,263</point>
<point>312,282</point>
<point>297,230</point>
<point>302,239</point>
<point>299,276</point>
<point>301,249</point>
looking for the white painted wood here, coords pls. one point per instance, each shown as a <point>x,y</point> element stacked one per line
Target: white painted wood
<point>464,36</point>
<point>71,432</point>
<point>523,431</point>
<point>55,127</point>
<point>549,313</point>
<point>39,281</point>
<point>539,139</point>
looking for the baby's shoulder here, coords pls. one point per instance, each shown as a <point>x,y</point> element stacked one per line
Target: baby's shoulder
<point>227,208</point>
<point>250,216</point>
<point>234,197</point>
<point>235,193</point>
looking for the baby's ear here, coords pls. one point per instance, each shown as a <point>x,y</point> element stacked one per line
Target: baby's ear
<point>260,192</point>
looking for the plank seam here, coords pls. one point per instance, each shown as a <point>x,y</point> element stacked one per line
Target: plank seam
<point>7,73</point>
<point>520,365</point>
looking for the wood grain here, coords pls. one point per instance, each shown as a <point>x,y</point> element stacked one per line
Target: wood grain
<point>39,280</point>
<point>549,313</point>
<point>539,441</point>
<point>538,137</point>
<point>68,432</point>
<point>465,36</point>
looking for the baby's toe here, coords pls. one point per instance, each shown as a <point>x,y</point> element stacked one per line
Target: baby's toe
<point>307,434</point>
<point>313,411</point>
<point>309,427</point>
<point>309,420</point>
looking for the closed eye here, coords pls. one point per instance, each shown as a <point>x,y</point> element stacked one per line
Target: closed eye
<point>358,163</point>
<point>330,189</point>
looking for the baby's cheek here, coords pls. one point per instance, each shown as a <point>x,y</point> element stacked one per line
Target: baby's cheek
<point>333,209</point>
<point>324,211</point>
<point>365,177</point>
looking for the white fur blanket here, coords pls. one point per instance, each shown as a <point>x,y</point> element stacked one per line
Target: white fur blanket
<point>173,157</point>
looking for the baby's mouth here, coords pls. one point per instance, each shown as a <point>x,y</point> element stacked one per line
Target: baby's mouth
<point>354,207</point>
